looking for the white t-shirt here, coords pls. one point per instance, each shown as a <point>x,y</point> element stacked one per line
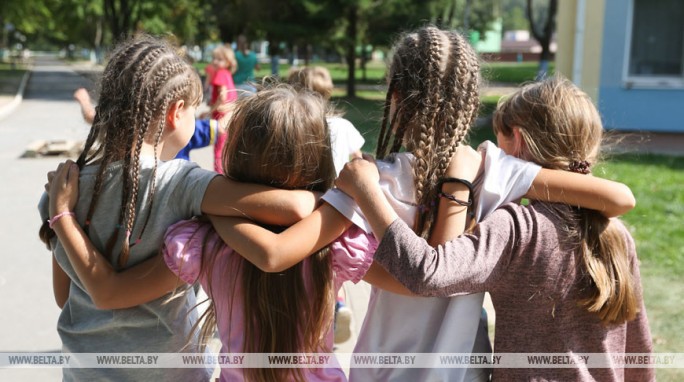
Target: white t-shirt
<point>403,324</point>
<point>344,139</point>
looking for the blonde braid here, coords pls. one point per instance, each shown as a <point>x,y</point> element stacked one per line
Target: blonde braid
<point>425,153</point>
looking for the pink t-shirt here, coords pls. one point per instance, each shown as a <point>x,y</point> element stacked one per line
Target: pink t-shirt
<point>222,78</point>
<point>352,255</point>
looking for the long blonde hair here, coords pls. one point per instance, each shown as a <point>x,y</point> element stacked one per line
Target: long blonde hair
<point>228,55</point>
<point>561,129</point>
<point>279,137</point>
<point>434,77</point>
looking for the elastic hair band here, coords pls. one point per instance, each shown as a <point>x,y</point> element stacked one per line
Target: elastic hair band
<point>51,222</point>
<point>580,167</point>
<point>455,180</point>
<point>468,204</point>
<point>457,201</point>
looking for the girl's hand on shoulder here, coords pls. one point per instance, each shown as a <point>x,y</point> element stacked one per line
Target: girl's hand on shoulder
<point>358,177</point>
<point>465,163</point>
<point>62,188</point>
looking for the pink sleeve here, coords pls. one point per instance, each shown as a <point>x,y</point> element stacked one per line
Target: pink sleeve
<point>182,249</point>
<point>353,254</point>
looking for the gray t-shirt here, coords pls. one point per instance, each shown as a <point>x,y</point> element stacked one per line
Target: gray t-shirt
<point>159,326</point>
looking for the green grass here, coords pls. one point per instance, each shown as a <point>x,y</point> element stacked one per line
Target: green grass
<point>657,222</point>
<point>656,225</point>
<point>511,72</point>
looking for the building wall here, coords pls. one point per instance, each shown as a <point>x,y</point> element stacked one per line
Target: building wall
<point>632,108</point>
<point>584,68</point>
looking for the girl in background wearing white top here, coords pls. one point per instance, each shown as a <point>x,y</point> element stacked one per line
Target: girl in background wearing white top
<point>345,140</point>
<point>431,103</point>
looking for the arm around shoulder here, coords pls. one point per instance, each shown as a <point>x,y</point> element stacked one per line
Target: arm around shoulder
<point>226,197</point>
<point>275,252</point>
<point>606,196</point>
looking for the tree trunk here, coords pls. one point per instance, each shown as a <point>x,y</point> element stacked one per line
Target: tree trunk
<point>544,38</point>
<point>351,50</point>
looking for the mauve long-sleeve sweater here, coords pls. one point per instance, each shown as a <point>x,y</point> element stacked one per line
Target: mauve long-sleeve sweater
<point>517,255</point>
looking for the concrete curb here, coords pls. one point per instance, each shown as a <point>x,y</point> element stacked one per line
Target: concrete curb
<point>8,108</point>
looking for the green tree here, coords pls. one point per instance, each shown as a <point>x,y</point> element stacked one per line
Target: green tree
<point>515,19</point>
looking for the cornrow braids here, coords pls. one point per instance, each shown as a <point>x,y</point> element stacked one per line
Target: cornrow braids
<point>143,77</point>
<point>434,79</point>
<point>431,102</point>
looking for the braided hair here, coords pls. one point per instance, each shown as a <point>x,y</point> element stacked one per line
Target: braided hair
<point>434,81</point>
<point>143,77</point>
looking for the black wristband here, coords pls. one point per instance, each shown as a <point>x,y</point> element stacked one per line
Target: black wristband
<point>468,204</point>
<point>456,180</point>
<point>457,201</point>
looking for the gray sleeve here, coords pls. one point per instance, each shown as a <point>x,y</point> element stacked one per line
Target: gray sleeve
<point>190,182</point>
<point>470,264</point>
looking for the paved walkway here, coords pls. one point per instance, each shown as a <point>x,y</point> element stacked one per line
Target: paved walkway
<point>46,111</point>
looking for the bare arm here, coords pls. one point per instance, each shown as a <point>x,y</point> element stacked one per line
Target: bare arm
<point>108,288</point>
<point>87,109</point>
<point>60,284</point>
<point>451,217</point>
<point>606,196</point>
<point>275,252</point>
<point>226,197</point>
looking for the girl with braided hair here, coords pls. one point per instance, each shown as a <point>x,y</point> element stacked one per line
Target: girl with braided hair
<point>563,279</point>
<point>130,192</point>
<point>431,103</point>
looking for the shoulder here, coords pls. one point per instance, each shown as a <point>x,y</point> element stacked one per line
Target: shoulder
<point>339,123</point>
<point>519,222</point>
<point>353,254</point>
<point>182,248</point>
<point>627,236</point>
<point>182,171</point>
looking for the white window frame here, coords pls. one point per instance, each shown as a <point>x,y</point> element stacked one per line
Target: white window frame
<point>645,82</point>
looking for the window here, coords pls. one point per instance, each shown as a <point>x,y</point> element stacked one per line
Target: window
<point>656,44</point>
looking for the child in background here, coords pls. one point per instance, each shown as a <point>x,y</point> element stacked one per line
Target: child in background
<point>130,193</point>
<point>345,139</point>
<point>222,94</point>
<point>563,279</point>
<point>205,134</point>
<point>346,144</point>
<point>247,63</point>
<point>431,103</point>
